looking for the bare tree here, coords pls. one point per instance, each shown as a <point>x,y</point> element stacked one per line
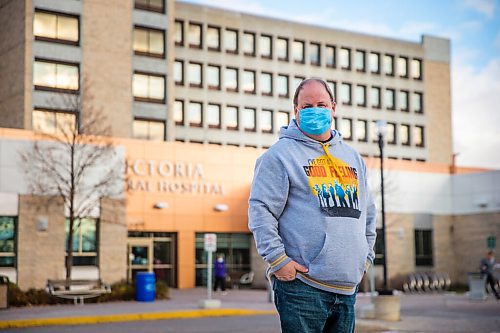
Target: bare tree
<point>78,162</point>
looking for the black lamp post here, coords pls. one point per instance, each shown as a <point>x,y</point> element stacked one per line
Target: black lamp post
<point>381,129</point>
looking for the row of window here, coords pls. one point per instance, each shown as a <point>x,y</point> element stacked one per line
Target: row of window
<point>270,84</point>
<point>403,134</point>
<point>84,244</point>
<point>285,49</point>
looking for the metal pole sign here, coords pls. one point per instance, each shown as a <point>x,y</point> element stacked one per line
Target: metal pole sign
<point>210,246</point>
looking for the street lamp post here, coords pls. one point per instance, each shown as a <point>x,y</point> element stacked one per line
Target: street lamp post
<point>381,131</point>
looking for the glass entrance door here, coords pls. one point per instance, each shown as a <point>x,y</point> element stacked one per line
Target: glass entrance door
<point>140,256</point>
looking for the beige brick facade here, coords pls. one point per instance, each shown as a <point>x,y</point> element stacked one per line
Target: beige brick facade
<point>40,253</point>
<point>437,106</point>
<point>469,241</point>
<point>15,64</point>
<point>112,241</point>
<point>107,62</point>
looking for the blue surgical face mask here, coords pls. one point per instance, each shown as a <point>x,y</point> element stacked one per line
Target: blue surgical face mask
<point>315,121</point>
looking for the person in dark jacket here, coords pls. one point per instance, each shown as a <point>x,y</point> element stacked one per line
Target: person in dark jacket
<point>487,266</point>
<point>220,274</point>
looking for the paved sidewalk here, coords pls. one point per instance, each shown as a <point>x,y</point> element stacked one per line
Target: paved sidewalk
<point>419,313</point>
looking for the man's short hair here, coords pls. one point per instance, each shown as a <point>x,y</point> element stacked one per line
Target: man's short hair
<point>306,81</point>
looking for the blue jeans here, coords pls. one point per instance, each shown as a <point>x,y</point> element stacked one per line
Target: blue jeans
<point>306,309</point>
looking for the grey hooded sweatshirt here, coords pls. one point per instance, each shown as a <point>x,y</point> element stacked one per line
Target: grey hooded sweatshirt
<point>310,202</point>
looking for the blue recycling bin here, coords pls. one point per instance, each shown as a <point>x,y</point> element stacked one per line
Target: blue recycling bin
<point>145,287</point>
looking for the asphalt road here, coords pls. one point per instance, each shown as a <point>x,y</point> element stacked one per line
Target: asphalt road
<point>253,324</point>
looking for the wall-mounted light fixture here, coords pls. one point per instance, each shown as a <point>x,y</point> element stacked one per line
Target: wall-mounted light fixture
<point>42,223</point>
<point>161,205</point>
<point>221,207</point>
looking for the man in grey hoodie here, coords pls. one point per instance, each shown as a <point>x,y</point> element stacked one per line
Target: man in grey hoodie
<point>317,253</point>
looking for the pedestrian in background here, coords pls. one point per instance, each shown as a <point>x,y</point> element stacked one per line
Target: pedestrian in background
<point>220,274</point>
<point>487,267</point>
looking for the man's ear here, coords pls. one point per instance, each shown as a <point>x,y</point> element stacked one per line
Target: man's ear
<point>296,112</point>
<point>334,108</point>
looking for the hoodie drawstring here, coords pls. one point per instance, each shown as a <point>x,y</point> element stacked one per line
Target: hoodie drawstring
<point>330,157</point>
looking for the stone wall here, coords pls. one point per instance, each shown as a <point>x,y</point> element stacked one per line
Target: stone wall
<point>40,248</point>
<point>112,241</point>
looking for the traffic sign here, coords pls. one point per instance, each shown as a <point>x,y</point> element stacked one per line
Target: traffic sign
<point>210,242</point>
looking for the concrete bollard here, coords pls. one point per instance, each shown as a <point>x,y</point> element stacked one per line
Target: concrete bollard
<point>387,307</point>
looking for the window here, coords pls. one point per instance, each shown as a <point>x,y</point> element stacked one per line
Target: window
<point>282,118</point>
<point>266,121</point>
<point>53,122</point>
<point>84,246</point>
<point>151,5</point>
<point>179,72</point>
<point>179,112</point>
<point>379,248</point>
<point>423,248</point>
<point>418,136</point>
<point>249,44</point>
<point>361,130</point>
<point>249,119</point>
<point>149,42</point>
<point>282,85</point>
<point>375,97</point>
<point>56,27</point>
<point>416,69</point>
<point>417,102</point>
<point>195,114</point>
<point>213,77</point>
<point>373,131</point>
<point>330,56</point>
<point>231,79</point>
<point>213,116</point>
<point>231,118</point>
<point>213,38</point>
<point>345,58</point>
<point>265,46</point>
<point>389,65</point>
<point>249,81</point>
<point>235,247</point>
<point>333,87</point>
<point>148,130</point>
<point>194,35</point>
<point>389,99</point>
<point>7,241</point>
<point>266,84</point>
<point>345,93</point>
<point>374,62</point>
<point>282,49</point>
<point>403,100</point>
<point>404,134</point>
<point>360,61</point>
<point>296,81</point>
<point>346,128</point>
<point>391,133</point>
<point>48,75</point>
<point>149,88</point>
<point>361,95</point>
<point>179,33</point>
<point>195,78</point>
<point>298,51</point>
<point>403,67</point>
<point>231,41</point>
<point>314,54</point>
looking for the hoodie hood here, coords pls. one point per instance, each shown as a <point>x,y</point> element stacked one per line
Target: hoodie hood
<point>292,131</point>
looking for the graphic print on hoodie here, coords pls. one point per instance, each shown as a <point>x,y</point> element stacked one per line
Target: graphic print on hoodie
<point>335,184</point>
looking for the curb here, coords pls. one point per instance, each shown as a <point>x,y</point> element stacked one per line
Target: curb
<point>89,320</point>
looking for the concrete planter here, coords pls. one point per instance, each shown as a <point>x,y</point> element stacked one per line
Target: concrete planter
<point>387,307</point>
